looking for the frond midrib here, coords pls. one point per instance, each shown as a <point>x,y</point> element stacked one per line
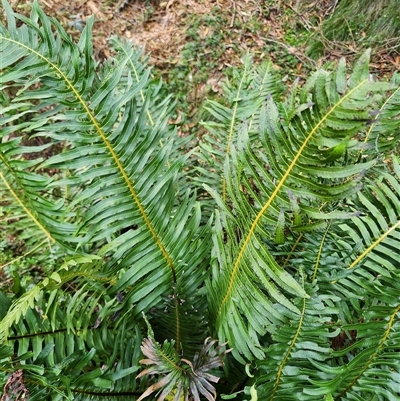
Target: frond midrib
<point>373,356</point>
<point>373,246</point>
<point>134,69</point>
<point>289,350</point>
<point>274,194</point>
<point>376,119</point>
<point>109,147</point>
<point>27,211</point>
<point>232,125</point>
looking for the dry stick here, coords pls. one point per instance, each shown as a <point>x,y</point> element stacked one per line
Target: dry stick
<point>302,58</point>
<point>233,14</point>
<point>333,8</point>
<point>306,24</point>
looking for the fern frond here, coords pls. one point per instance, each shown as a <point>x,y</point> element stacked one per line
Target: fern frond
<point>287,373</point>
<point>29,214</point>
<point>116,166</point>
<point>377,229</point>
<point>363,253</point>
<point>349,354</point>
<point>383,134</point>
<point>296,269</point>
<point>180,374</point>
<point>52,341</point>
<point>243,96</point>
<point>269,185</point>
<point>373,369</point>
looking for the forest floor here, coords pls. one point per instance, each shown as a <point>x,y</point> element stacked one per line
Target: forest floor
<point>193,44</point>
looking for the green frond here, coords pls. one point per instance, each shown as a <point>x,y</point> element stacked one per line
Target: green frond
<point>350,353</point>
<point>271,186</point>
<point>26,210</point>
<point>286,372</point>
<point>64,352</point>
<point>383,133</point>
<point>243,97</point>
<point>377,228</point>
<point>359,269</point>
<point>116,169</point>
<point>373,369</point>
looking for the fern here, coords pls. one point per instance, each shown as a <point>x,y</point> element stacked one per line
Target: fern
<point>351,354</point>
<point>277,236</point>
<point>289,175</point>
<point>181,375</point>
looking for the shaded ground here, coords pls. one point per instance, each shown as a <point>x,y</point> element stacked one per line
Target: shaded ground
<point>163,27</point>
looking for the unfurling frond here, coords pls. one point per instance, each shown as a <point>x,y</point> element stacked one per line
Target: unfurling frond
<point>181,377</point>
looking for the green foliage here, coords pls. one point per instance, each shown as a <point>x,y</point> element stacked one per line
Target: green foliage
<point>200,56</point>
<point>278,234</point>
<point>359,25</point>
<point>181,375</point>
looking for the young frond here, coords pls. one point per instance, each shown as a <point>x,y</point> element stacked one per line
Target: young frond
<point>243,97</point>
<point>181,378</point>
<point>383,134</point>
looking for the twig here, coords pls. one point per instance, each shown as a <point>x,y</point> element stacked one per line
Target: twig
<point>306,24</point>
<point>233,14</point>
<point>304,59</point>
<point>333,8</point>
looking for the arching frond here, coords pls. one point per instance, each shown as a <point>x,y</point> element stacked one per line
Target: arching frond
<point>74,343</point>
<point>115,170</point>
<point>282,185</point>
<point>350,353</point>
<point>374,271</point>
<point>243,96</point>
